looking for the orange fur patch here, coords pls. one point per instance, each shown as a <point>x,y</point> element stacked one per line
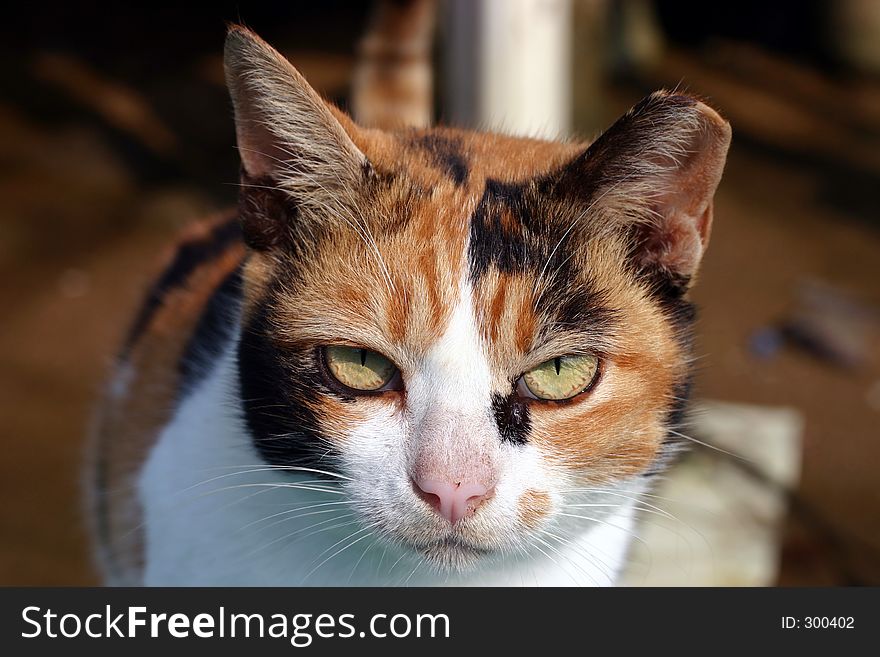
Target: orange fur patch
<point>534,506</point>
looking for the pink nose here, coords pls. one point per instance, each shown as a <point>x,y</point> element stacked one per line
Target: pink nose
<point>453,501</point>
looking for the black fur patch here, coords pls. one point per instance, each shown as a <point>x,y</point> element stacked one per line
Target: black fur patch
<point>446,154</point>
<point>268,214</point>
<point>502,232</point>
<point>619,152</point>
<point>510,231</point>
<point>190,255</point>
<point>676,414</point>
<point>212,334</point>
<point>512,417</point>
<point>277,387</point>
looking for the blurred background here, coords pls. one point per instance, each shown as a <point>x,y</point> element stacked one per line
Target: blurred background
<point>116,131</point>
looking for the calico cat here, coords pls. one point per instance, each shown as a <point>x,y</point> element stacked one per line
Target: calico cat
<point>420,356</point>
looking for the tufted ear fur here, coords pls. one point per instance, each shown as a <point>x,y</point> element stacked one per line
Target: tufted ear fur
<point>654,173</point>
<point>290,142</point>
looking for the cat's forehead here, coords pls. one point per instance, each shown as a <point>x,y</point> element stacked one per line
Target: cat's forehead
<point>462,158</point>
<point>455,215</point>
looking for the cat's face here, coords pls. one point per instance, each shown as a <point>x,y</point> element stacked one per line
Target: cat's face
<point>465,328</point>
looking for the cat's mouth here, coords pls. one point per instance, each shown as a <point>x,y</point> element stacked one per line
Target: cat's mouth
<point>452,553</point>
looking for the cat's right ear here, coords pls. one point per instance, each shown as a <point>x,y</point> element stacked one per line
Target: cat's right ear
<point>289,140</point>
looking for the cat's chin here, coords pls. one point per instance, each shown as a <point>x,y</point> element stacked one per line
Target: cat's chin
<point>452,555</point>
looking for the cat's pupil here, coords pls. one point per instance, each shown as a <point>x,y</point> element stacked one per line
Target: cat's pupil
<point>558,363</point>
<point>364,358</point>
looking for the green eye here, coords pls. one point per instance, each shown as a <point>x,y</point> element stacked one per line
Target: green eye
<point>360,369</point>
<point>562,377</point>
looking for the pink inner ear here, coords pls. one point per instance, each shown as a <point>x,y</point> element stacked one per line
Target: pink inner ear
<point>678,236</point>
<point>257,150</point>
<point>677,244</point>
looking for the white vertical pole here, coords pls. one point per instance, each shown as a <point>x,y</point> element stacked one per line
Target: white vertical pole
<point>509,65</point>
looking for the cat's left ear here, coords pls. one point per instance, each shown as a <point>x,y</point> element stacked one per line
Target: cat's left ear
<point>289,139</point>
<point>654,173</point>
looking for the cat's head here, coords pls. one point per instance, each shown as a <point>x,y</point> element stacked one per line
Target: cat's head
<point>465,327</point>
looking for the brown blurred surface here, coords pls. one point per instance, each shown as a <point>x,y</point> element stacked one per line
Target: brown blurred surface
<point>92,192</point>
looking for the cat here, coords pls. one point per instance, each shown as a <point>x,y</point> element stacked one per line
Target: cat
<point>409,357</point>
